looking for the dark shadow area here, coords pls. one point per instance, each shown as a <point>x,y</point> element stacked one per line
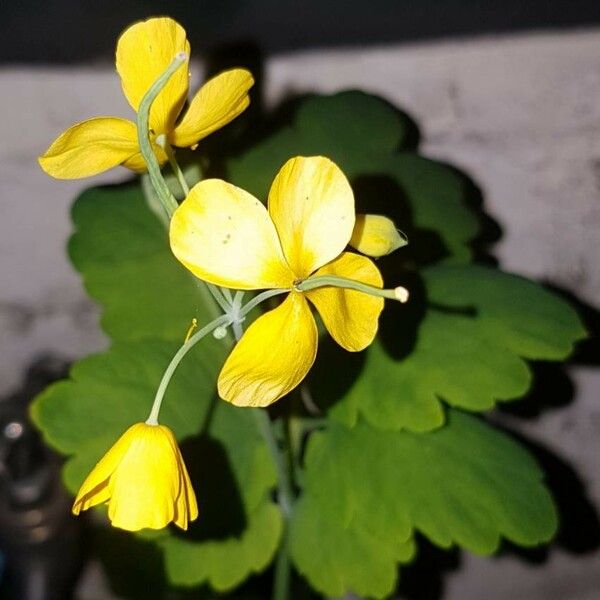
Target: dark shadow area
<point>423,579</point>
<point>217,492</point>
<point>381,194</point>
<point>552,388</point>
<point>133,566</point>
<point>579,523</point>
<point>135,570</point>
<point>64,31</point>
<point>333,373</point>
<point>587,351</point>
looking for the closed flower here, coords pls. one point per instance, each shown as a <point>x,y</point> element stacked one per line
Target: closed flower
<point>143,480</point>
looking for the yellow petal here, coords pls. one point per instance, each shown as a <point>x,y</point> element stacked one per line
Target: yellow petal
<point>94,489</point>
<point>219,101</point>
<point>312,206</point>
<point>273,356</point>
<point>350,316</point>
<point>146,482</point>
<point>91,147</point>
<point>224,235</point>
<point>376,235</point>
<point>186,507</point>
<point>144,51</point>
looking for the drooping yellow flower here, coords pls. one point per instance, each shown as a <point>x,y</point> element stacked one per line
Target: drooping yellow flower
<point>144,51</point>
<point>143,480</point>
<point>227,237</point>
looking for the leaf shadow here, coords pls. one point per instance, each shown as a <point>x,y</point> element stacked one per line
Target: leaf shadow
<point>579,522</point>
<point>552,386</point>
<point>423,579</point>
<point>219,499</point>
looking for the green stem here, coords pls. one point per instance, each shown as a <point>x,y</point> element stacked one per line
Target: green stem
<point>399,293</point>
<point>218,295</point>
<point>160,186</point>
<point>176,169</point>
<point>286,495</point>
<point>283,571</point>
<point>143,129</point>
<point>285,498</point>
<point>258,299</point>
<point>166,378</point>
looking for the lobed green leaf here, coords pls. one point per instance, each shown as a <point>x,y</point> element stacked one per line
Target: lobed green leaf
<point>464,484</point>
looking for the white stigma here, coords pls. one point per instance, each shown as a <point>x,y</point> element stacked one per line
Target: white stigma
<point>401,294</point>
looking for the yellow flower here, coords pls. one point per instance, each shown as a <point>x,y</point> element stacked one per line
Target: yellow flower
<point>144,51</point>
<point>226,236</point>
<point>143,480</point>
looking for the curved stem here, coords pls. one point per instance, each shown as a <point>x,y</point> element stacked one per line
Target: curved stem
<point>143,130</point>
<point>260,298</point>
<point>166,378</point>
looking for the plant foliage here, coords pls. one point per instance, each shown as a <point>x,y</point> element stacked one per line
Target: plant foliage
<point>397,452</point>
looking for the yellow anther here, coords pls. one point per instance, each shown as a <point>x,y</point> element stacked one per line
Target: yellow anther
<point>191,330</point>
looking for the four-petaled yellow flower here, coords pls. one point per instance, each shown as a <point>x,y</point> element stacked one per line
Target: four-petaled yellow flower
<point>144,51</point>
<point>144,481</point>
<point>226,236</point>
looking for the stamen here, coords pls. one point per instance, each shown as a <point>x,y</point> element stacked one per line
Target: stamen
<point>193,327</point>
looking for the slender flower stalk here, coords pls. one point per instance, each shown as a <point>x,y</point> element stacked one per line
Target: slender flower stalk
<point>163,193</point>
<point>179,356</point>
<point>143,132</point>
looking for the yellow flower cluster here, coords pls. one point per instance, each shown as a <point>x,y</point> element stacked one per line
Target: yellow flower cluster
<point>228,238</point>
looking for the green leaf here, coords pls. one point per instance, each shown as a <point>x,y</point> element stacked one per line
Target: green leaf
<point>463,484</point>
<point>225,564</point>
<point>229,464</point>
<point>337,557</point>
<point>363,135</point>
<point>516,313</point>
<point>122,251</point>
<point>469,351</point>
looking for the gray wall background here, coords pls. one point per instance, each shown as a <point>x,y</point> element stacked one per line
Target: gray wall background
<point>519,113</point>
